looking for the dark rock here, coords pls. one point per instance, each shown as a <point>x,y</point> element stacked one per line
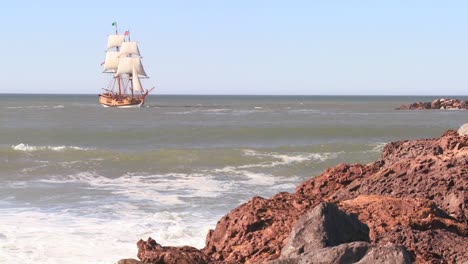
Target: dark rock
<point>324,226</point>
<point>386,254</point>
<point>328,235</point>
<point>354,252</point>
<point>344,253</point>
<point>426,105</point>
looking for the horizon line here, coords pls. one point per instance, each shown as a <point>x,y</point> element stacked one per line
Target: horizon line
<point>247,94</point>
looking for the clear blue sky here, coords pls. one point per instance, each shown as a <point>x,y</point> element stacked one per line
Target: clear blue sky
<point>387,47</point>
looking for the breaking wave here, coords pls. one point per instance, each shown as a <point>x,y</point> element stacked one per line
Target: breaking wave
<point>30,148</point>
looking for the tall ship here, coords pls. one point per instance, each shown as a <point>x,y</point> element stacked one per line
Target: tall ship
<point>123,64</point>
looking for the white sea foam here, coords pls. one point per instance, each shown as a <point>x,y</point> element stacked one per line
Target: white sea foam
<point>274,159</point>
<point>243,112</point>
<point>215,110</point>
<point>92,230</point>
<point>97,231</point>
<point>304,111</point>
<point>377,147</point>
<point>247,177</point>
<point>260,178</point>
<point>286,159</point>
<point>33,236</point>
<point>167,189</point>
<point>30,148</point>
<point>181,112</point>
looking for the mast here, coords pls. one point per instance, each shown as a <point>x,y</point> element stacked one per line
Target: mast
<point>131,83</point>
<point>131,86</point>
<point>128,59</point>
<point>118,77</point>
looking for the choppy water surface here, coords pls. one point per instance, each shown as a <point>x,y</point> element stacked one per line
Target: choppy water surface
<point>81,184</point>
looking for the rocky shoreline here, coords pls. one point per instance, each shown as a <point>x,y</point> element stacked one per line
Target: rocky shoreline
<point>409,206</point>
<point>442,104</point>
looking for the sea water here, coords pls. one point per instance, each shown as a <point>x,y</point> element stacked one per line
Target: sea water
<point>82,184</point>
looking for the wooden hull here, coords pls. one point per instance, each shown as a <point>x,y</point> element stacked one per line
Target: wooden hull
<point>124,101</point>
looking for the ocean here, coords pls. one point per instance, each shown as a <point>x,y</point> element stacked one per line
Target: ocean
<point>82,184</point>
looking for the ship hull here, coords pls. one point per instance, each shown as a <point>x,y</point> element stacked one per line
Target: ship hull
<point>124,101</point>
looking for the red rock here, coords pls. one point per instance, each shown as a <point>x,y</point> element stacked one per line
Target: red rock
<point>256,230</point>
<point>415,196</point>
<point>151,252</point>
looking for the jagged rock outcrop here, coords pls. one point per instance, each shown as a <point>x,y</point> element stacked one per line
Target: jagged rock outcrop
<point>151,252</point>
<point>414,198</point>
<point>256,230</point>
<point>444,104</point>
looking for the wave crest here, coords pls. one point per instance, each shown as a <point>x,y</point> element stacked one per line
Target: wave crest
<point>31,148</point>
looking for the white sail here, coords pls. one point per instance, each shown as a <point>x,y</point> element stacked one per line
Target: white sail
<point>126,65</point>
<point>136,81</point>
<point>112,61</point>
<point>115,41</point>
<point>129,48</point>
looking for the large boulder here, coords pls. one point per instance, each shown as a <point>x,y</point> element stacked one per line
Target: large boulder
<point>327,234</point>
<point>324,226</point>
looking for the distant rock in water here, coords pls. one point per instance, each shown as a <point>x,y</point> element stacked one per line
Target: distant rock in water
<point>410,206</point>
<point>444,104</point>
